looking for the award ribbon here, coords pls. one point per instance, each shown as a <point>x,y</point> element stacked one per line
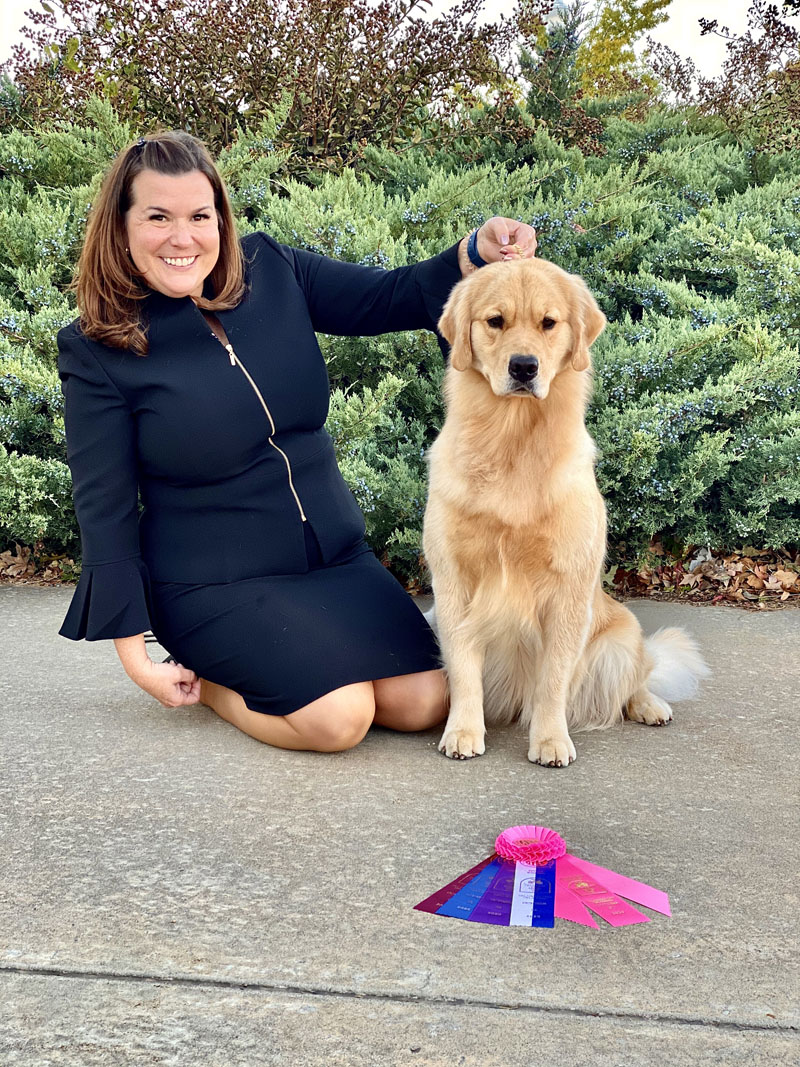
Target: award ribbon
<point>530,880</point>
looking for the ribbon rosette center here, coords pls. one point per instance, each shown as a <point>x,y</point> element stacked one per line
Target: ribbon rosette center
<point>534,845</point>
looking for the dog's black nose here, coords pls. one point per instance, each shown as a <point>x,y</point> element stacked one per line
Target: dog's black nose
<point>523,368</point>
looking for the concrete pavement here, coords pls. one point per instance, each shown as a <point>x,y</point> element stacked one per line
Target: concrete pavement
<point>174,893</point>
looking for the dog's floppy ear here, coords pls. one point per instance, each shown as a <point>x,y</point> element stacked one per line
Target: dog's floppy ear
<point>587,326</point>
<point>454,326</point>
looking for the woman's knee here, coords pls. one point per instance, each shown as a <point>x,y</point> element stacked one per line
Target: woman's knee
<point>411,702</point>
<point>337,721</point>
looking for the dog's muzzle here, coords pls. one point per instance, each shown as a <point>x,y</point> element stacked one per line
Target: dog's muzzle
<point>523,369</point>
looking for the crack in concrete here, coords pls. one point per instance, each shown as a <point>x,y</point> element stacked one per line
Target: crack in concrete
<point>677,1020</point>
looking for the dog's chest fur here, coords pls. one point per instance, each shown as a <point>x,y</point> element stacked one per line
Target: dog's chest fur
<point>517,471</point>
<point>514,484</point>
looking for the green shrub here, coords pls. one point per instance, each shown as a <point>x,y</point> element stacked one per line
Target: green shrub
<point>700,441</point>
<point>689,241</point>
<point>35,502</point>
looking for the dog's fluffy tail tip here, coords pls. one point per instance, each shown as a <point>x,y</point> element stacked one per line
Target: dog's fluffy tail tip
<point>678,665</point>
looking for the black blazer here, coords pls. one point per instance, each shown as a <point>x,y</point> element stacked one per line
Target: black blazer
<point>225,485</point>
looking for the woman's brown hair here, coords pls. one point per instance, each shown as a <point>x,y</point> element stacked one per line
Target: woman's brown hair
<point>109,288</point>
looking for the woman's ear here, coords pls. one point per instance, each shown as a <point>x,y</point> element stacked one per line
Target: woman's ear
<point>454,326</point>
<point>588,323</point>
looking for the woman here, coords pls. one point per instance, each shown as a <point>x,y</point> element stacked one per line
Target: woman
<point>193,379</point>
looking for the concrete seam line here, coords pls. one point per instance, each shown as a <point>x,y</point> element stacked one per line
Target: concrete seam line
<point>680,1021</point>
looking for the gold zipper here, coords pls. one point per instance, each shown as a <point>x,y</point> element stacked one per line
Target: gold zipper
<point>236,362</point>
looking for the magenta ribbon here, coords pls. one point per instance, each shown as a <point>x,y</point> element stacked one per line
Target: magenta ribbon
<point>580,884</point>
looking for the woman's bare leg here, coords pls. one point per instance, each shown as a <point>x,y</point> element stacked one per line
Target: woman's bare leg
<point>340,719</point>
<point>411,701</point>
<point>334,722</point>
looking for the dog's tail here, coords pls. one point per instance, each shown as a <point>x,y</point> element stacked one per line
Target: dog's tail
<point>678,665</point>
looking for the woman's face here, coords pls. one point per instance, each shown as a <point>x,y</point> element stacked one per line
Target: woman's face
<point>173,231</point>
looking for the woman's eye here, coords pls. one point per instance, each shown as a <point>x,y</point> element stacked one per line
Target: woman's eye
<point>548,324</point>
<point>156,218</point>
<point>496,322</point>
<point>202,218</point>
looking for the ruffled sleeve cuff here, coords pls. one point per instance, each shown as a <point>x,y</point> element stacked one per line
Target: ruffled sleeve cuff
<point>111,600</point>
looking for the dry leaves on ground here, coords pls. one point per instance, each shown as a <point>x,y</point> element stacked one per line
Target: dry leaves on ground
<point>749,577</point>
<point>24,567</point>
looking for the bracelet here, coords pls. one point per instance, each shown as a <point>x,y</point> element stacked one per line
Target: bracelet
<point>472,251</point>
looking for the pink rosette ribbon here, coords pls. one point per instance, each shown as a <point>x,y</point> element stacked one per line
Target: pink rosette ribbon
<point>531,880</point>
<point>534,845</point>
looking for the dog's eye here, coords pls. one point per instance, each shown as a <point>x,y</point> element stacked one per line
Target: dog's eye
<point>548,324</point>
<point>496,322</point>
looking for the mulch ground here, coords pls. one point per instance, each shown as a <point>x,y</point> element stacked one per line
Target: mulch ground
<point>748,578</point>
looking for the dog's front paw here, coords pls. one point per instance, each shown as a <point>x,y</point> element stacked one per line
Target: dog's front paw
<point>552,752</point>
<point>649,709</point>
<point>462,744</point>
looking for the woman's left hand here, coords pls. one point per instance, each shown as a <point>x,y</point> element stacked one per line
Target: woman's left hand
<point>502,239</point>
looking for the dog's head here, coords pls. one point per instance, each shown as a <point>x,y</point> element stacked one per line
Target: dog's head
<point>520,324</point>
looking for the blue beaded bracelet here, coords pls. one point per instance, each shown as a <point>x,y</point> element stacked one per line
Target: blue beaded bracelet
<point>472,251</point>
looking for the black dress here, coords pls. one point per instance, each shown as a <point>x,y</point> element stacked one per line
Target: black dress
<point>248,559</point>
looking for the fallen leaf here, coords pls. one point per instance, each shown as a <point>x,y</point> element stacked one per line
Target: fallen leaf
<point>691,580</point>
<point>786,578</point>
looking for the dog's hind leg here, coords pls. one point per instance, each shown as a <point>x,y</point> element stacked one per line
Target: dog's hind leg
<point>613,670</point>
<point>646,707</point>
<point>675,668</point>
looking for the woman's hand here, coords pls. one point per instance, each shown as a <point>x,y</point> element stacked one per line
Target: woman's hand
<point>500,240</point>
<point>170,683</point>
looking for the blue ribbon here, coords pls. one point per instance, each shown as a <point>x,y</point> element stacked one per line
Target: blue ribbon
<point>463,903</point>
<point>545,897</point>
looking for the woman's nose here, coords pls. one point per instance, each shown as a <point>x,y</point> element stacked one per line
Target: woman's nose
<point>181,235</point>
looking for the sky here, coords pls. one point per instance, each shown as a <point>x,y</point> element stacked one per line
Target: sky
<point>681,32</point>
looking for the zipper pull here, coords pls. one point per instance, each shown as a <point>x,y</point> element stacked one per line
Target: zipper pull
<point>231,354</point>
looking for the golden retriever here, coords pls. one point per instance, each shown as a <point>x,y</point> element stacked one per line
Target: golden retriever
<point>515,528</point>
